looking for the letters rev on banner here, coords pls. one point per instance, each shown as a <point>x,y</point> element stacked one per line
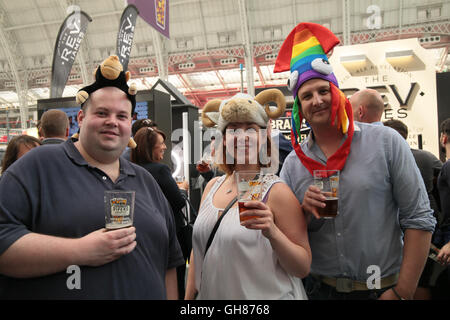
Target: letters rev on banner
<point>126,34</point>
<point>67,44</point>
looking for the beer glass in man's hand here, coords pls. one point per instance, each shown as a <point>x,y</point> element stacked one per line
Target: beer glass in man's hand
<point>119,208</point>
<point>328,182</point>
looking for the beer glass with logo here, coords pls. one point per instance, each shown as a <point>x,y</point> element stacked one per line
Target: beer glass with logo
<point>119,209</point>
<point>328,182</point>
<point>249,187</point>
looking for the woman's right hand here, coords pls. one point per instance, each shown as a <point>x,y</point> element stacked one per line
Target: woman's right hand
<point>312,200</point>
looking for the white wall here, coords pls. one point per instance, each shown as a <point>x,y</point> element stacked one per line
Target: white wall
<point>420,114</point>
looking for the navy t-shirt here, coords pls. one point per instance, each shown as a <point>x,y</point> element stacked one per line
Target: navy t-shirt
<point>53,191</point>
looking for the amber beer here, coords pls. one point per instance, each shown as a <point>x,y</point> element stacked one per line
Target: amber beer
<point>179,180</point>
<point>242,208</point>
<point>331,208</point>
<point>328,183</point>
<point>249,184</point>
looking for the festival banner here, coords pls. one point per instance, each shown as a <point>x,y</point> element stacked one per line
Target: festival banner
<point>126,34</point>
<point>68,42</point>
<point>155,13</point>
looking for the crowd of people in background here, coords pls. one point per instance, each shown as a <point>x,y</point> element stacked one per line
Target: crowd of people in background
<point>434,280</point>
<point>393,200</point>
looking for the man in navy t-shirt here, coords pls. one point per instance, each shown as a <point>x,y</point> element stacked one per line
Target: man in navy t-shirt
<point>53,244</point>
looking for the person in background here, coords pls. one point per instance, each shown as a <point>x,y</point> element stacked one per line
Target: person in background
<point>265,256</point>
<point>73,125</point>
<point>38,127</point>
<point>429,167</point>
<point>284,148</point>
<point>206,166</point>
<point>52,228</point>
<point>141,123</point>
<point>384,223</point>
<point>442,236</point>
<point>368,106</point>
<point>54,127</point>
<point>17,147</point>
<point>148,154</point>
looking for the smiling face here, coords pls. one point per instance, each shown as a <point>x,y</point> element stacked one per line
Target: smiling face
<point>242,143</point>
<point>315,100</point>
<point>158,149</point>
<point>105,123</point>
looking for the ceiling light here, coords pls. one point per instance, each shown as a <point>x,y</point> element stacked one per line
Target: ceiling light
<point>404,59</point>
<point>399,54</point>
<point>356,58</point>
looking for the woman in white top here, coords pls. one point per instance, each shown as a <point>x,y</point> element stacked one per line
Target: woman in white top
<point>263,257</point>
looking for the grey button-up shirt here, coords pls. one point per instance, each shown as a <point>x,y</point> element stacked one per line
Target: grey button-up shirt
<point>381,193</point>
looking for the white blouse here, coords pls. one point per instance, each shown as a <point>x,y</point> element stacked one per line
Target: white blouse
<point>240,263</point>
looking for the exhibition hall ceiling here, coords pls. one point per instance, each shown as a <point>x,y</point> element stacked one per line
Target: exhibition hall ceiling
<point>209,39</point>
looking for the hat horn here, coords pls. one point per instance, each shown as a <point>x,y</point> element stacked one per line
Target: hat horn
<point>272,95</point>
<point>211,106</point>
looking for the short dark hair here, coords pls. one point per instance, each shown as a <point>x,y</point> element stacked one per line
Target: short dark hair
<point>397,125</point>
<point>54,123</point>
<point>445,127</point>
<point>146,139</point>
<point>141,123</point>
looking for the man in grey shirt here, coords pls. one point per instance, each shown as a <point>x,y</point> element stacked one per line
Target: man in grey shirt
<point>381,236</point>
<point>429,165</point>
<point>368,106</point>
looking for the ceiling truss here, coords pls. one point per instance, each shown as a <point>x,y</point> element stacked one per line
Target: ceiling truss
<point>15,59</point>
<point>250,54</point>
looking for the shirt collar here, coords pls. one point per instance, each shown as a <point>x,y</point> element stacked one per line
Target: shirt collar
<point>53,139</point>
<point>73,153</point>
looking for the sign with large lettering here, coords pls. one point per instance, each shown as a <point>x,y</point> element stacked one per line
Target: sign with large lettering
<point>284,125</point>
<point>67,44</point>
<point>126,34</point>
<point>404,74</point>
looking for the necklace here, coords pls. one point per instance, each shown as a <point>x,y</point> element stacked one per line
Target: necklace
<point>230,189</point>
